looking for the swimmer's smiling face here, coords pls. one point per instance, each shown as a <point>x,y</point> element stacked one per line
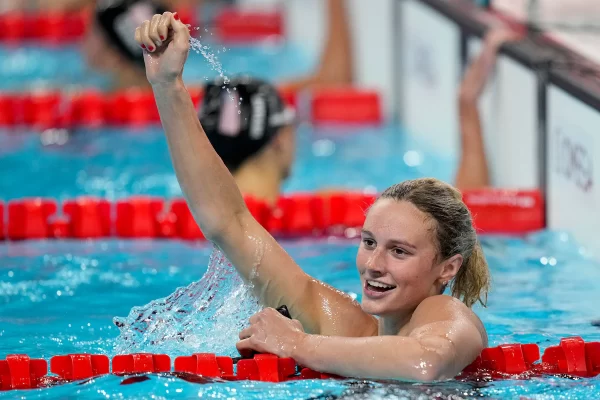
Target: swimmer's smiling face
<point>397,258</point>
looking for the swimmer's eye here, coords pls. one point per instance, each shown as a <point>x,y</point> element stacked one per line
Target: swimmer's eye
<point>369,243</point>
<point>399,252</point>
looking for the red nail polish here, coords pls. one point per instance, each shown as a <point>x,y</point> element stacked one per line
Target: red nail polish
<point>176,16</point>
<point>162,37</point>
<point>151,48</point>
<point>143,46</point>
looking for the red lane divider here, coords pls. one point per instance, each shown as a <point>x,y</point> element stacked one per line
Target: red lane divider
<point>572,357</point>
<point>73,367</point>
<point>510,358</point>
<point>88,218</point>
<point>56,27</point>
<point>18,371</point>
<point>137,217</point>
<point>141,363</point>
<point>297,215</point>
<point>506,211</point>
<point>205,364</point>
<point>186,227</point>
<point>28,219</point>
<point>346,105</point>
<point>1,220</point>
<point>240,26</point>
<point>90,108</point>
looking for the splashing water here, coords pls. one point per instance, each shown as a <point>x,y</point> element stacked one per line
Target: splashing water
<point>212,59</point>
<point>205,316</point>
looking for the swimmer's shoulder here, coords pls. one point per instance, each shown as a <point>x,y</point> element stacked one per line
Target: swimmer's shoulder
<point>446,308</point>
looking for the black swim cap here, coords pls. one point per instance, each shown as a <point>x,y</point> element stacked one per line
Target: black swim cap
<point>241,116</point>
<point>117,19</point>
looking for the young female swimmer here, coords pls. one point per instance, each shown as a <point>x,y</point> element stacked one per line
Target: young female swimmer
<point>417,238</point>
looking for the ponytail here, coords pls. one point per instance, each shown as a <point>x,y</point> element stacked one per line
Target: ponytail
<point>472,281</point>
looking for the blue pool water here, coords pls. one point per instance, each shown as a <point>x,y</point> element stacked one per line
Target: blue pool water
<point>119,163</point>
<point>65,68</point>
<point>59,297</point>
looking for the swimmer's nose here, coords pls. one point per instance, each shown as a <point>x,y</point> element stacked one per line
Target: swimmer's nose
<point>376,264</point>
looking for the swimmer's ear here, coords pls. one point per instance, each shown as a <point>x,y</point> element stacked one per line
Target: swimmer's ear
<point>450,268</point>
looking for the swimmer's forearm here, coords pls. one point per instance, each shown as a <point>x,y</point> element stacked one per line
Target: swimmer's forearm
<point>472,171</point>
<point>478,72</point>
<point>219,207</point>
<point>377,357</point>
<point>209,188</point>
<point>336,61</point>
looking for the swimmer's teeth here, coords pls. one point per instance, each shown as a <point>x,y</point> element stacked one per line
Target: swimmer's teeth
<point>379,285</point>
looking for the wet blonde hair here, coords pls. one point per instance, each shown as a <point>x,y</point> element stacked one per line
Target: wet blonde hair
<point>454,232</point>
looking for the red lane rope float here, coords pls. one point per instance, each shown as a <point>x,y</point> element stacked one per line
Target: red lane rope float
<point>296,215</point>
<point>86,109</point>
<point>232,26</point>
<point>346,105</point>
<point>45,109</point>
<point>572,357</point>
<point>56,28</point>
<point>237,26</point>
<point>90,108</point>
<point>506,211</point>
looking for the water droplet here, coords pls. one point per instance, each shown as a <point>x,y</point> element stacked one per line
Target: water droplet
<point>214,63</point>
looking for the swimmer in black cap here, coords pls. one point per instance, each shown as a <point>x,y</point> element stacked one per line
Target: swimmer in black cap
<point>252,130</point>
<point>257,145</point>
<point>109,46</point>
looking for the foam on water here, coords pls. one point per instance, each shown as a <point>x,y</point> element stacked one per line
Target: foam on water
<point>205,316</point>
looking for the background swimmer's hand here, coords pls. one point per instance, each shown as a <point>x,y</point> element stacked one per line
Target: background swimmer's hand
<point>499,35</point>
<point>166,41</point>
<point>270,332</point>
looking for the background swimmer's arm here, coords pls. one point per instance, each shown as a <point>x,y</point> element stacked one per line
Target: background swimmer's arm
<point>336,63</point>
<point>473,168</point>
<point>444,339</point>
<point>218,206</point>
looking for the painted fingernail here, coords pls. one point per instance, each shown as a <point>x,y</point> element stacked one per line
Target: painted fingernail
<point>143,46</point>
<point>176,16</point>
<point>162,37</point>
<point>151,48</point>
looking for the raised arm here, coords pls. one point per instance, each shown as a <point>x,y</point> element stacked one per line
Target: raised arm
<point>213,196</point>
<point>443,337</point>
<point>473,168</point>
